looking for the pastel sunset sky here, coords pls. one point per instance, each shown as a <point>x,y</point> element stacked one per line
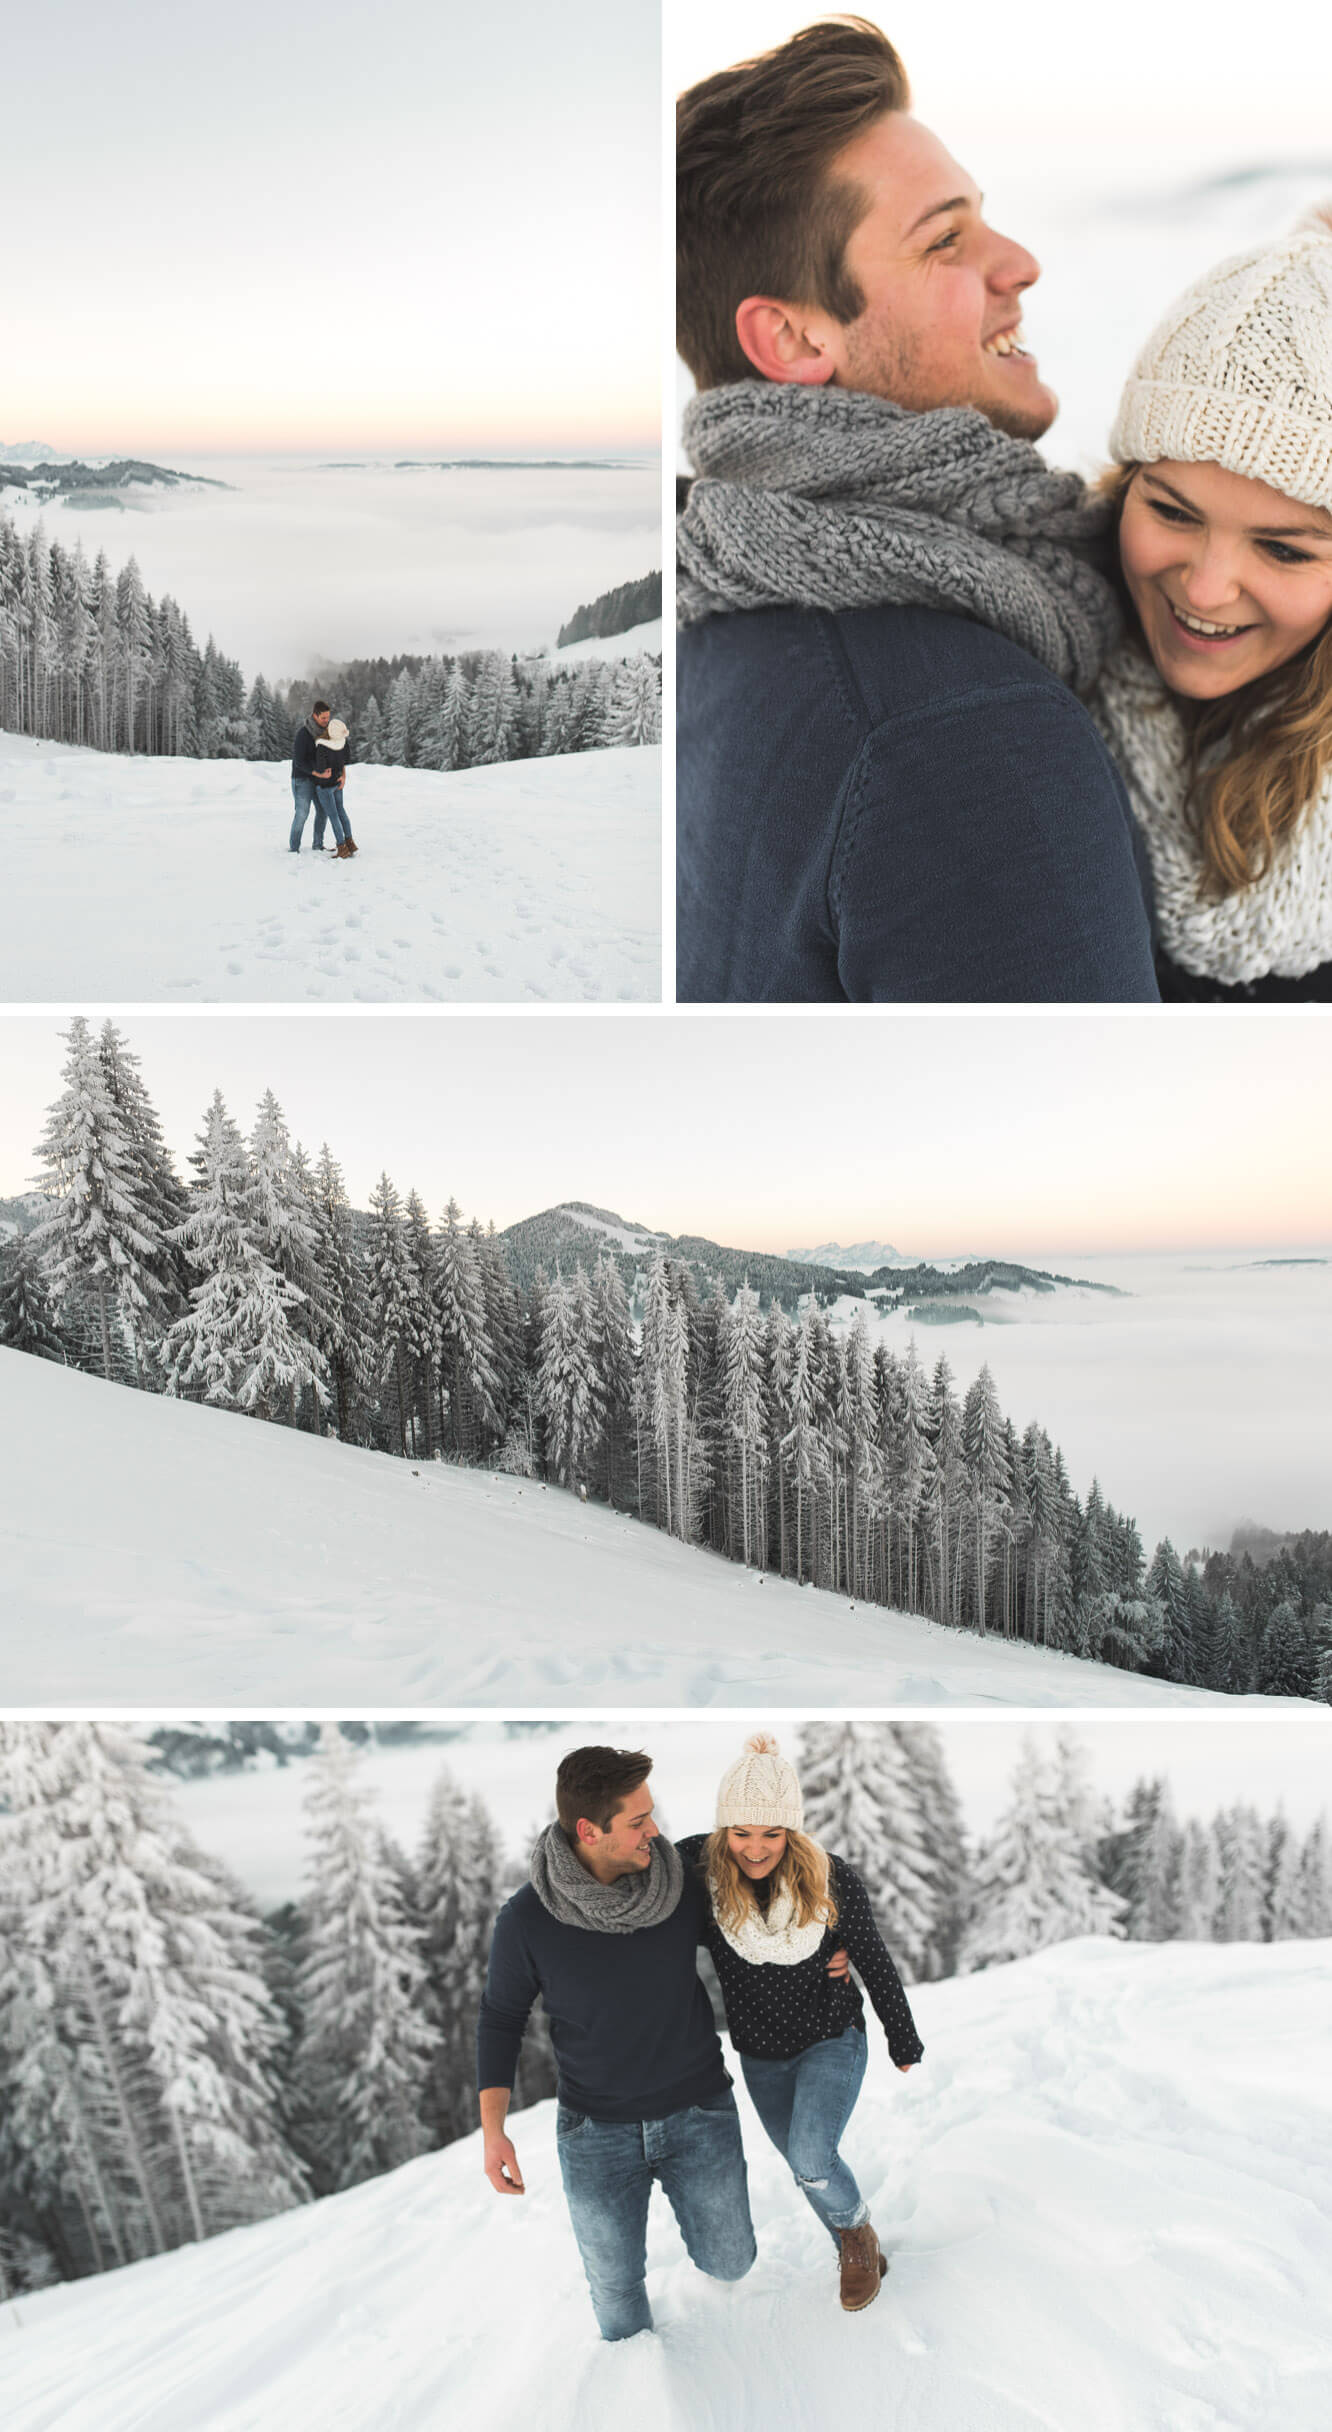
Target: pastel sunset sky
<point>940,1133</point>
<point>405,228</point>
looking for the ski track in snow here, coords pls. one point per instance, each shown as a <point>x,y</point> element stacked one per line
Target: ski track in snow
<point>155,1553</point>
<point>136,880</point>
<point>1106,2193</point>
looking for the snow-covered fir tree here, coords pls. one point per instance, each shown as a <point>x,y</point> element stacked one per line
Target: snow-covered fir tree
<point>1032,1885</point>
<point>367,2041</point>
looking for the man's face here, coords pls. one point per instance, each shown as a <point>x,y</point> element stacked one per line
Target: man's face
<point>943,291</point>
<point>625,1848</point>
<point>322,716</point>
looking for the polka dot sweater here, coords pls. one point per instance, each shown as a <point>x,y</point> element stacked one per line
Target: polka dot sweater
<point>775,2012</point>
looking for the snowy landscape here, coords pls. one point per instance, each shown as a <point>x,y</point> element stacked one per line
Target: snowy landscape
<point>170,880</point>
<point>211,1556</point>
<point>433,1409</point>
<point>1103,2206</point>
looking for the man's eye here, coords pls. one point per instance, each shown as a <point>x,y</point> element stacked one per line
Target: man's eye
<point>950,237</point>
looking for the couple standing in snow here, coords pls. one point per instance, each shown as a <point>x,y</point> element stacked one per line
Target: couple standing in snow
<point>319,757</point>
<point>606,1934</point>
<point>952,725</point>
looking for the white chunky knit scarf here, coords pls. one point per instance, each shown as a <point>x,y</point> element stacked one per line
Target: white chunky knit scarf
<point>1282,924</point>
<point>770,1937</point>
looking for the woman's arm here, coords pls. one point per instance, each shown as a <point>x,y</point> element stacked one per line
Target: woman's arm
<point>857,1929</point>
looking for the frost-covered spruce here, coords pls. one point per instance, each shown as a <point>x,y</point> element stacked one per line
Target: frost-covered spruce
<point>1241,1862</point>
<point>474,1411</point>
<point>99,1237</point>
<point>239,1343</point>
<point>285,1227</point>
<point>342,1312</point>
<point>27,1314</point>
<point>633,713</point>
<point>1144,1863</point>
<point>946,1861</point>
<point>1031,1884</point>
<point>146,2086</point>
<point>422,1320</point>
<point>460,1888</point>
<point>162,1194</point>
<point>389,1302</point>
<point>367,2041</point>
<point>860,1801</point>
<point>740,1350</point>
<point>567,1383</point>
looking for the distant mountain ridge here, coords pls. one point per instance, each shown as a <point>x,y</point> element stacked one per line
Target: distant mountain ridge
<point>63,477</point>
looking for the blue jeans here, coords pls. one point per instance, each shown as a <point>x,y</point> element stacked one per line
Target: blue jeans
<point>608,2167</point>
<point>805,2104</point>
<point>302,797</point>
<point>328,805</point>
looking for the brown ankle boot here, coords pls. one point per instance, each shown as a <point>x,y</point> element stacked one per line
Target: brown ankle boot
<point>863,2267</point>
<point>345,852</point>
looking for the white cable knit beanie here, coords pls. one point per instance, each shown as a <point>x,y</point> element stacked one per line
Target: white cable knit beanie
<point>761,1789</point>
<point>1239,372</point>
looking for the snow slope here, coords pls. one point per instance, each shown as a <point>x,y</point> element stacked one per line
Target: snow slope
<point>156,1553</point>
<point>129,880</point>
<point>625,645</point>
<point>1107,2196</point>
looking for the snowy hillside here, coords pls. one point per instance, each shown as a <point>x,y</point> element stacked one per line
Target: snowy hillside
<point>160,1553</point>
<point>170,880</point>
<point>1106,2195</point>
<point>617,645</point>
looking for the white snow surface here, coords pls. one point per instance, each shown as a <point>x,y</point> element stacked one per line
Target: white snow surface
<point>625,645</point>
<point>157,1553</point>
<point>136,880</point>
<point>1106,2195</point>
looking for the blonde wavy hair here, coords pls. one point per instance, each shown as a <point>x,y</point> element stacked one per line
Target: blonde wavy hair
<point>803,1868</point>
<point>1277,734</point>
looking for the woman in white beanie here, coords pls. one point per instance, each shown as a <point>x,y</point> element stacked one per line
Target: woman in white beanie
<point>1218,707</point>
<point>330,794</point>
<point>779,1907</point>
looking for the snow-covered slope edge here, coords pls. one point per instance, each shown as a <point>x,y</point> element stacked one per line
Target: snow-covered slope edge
<point>156,1553</point>
<point>1106,2206</point>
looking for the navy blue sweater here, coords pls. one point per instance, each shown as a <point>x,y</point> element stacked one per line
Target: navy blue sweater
<point>774,2012</point>
<point>895,805</point>
<point>629,2018</point>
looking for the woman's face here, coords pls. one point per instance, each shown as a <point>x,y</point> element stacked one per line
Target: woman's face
<point>1229,578</point>
<point>756,1848</point>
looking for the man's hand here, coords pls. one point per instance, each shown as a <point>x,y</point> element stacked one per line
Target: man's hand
<point>501,2166</point>
<point>319,774</point>
<point>839,1966</point>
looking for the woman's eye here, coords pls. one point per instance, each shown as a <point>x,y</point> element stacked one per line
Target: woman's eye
<point>1283,554</point>
<point>1169,514</point>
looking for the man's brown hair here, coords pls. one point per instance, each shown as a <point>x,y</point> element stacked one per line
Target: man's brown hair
<point>592,1781</point>
<point>756,212</point>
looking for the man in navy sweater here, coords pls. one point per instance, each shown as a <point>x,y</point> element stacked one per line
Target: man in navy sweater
<point>607,1934</point>
<point>885,802</point>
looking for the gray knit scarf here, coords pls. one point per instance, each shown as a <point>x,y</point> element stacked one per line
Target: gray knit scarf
<point>576,1898</point>
<point>830,498</point>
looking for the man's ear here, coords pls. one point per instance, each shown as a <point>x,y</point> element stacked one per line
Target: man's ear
<point>586,1831</point>
<point>779,343</point>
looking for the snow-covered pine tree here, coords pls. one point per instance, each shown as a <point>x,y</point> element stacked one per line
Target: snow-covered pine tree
<point>285,1231</point>
<point>1144,1864</point>
<point>343,1309</point>
<point>1282,1903</point>
<point>988,1482</point>
<point>860,1791</point>
<point>474,1418</point>
<point>162,1195</point>
<point>740,1351</point>
<point>1316,1882</point>
<point>238,1344</point>
<point>615,1361</point>
<point>1285,1668</point>
<point>27,1314</point>
<point>1241,1856</point>
<point>460,1875</point>
<point>943,1840</point>
<point>633,712</point>
<point>1199,1884</point>
<point>389,1293</point>
<point>1031,1883</point>
<point>160,2033</point>
<point>367,2042</point>
<point>568,1396</point>
<point>99,1236</point>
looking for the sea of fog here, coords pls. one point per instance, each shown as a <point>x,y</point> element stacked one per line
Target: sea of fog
<point>1114,251</point>
<point>255,1821</point>
<point>1201,1398</point>
<point>300,559</point>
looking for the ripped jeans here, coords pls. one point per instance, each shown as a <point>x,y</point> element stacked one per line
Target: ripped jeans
<point>804,2105</point>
